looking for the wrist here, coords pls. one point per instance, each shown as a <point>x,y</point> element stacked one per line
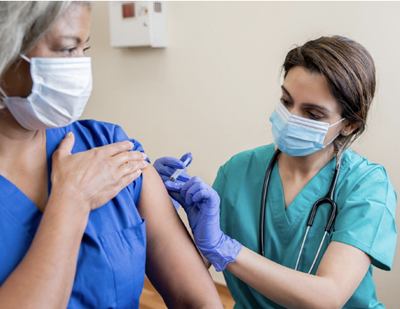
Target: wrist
<point>225,251</point>
<point>65,218</point>
<point>68,204</point>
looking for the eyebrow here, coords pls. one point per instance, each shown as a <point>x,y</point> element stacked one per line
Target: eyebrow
<point>287,92</point>
<point>77,39</point>
<point>309,105</point>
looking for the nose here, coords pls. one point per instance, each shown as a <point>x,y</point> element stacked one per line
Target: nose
<point>295,111</point>
<point>81,53</point>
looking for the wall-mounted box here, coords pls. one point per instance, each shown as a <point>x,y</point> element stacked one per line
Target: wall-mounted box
<point>137,23</point>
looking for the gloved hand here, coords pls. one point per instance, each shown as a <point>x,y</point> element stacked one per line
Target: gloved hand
<point>166,166</point>
<point>201,204</point>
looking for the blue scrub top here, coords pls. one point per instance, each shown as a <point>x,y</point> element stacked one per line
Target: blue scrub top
<point>365,219</point>
<point>111,263</point>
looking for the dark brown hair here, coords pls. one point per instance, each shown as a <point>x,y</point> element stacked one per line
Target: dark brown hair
<point>350,72</point>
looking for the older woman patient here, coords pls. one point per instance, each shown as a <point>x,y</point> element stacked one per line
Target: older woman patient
<point>82,215</point>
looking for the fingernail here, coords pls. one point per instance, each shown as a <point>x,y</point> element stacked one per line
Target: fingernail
<point>144,155</point>
<point>131,144</point>
<point>144,163</point>
<point>69,134</point>
<point>139,172</point>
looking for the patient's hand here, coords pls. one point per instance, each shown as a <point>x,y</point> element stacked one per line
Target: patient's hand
<point>93,177</point>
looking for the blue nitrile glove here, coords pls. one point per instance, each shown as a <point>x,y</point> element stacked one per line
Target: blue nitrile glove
<point>201,204</point>
<point>166,166</point>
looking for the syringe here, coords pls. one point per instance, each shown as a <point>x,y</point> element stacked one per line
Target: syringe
<point>176,174</point>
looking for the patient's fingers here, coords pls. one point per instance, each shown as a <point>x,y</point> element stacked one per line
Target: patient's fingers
<point>132,166</point>
<point>129,156</point>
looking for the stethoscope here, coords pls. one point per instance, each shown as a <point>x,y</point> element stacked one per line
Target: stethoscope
<point>327,199</point>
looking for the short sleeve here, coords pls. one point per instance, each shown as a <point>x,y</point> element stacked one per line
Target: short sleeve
<point>136,186</point>
<point>120,135</point>
<point>219,186</point>
<point>219,182</point>
<point>367,218</point>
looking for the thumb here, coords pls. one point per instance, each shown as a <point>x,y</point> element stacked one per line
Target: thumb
<point>173,186</point>
<point>187,156</point>
<point>67,143</point>
<point>177,197</point>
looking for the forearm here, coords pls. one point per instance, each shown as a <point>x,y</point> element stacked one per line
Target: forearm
<point>45,276</point>
<point>287,287</point>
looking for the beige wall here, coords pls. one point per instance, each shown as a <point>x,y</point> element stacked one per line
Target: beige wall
<point>212,90</point>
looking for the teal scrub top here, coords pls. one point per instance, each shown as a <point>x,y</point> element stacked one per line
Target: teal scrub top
<point>365,219</point>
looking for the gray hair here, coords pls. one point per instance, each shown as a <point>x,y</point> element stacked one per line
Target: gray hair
<point>22,25</point>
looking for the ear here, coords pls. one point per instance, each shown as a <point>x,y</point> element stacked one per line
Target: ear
<point>349,128</point>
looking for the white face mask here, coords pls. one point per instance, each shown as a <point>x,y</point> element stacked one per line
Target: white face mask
<point>60,91</point>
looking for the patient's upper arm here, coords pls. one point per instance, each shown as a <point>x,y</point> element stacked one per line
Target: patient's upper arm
<point>173,263</point>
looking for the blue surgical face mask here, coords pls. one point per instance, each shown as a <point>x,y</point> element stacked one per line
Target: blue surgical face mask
<point>297,136</point>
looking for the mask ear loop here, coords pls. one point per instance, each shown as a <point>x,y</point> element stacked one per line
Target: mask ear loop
<point>25,58</point>
<point>3,93</point>
<point>337,122</point>
<point>336,134</point>
<point>331,140</point>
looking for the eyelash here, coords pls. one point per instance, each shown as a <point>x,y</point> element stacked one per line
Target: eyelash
<point>71,50</point>
<point>310,114</point>
<point>313,116</point>
<point>285,102</point>
<point>68,50</point>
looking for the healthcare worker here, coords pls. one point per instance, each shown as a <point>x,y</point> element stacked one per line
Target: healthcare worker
<point>81,216</point>
<point>270,256</point>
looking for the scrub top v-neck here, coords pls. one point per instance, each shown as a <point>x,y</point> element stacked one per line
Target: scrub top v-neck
<point>288,220</point>
<point>111,262</point>
<point>366,210</point>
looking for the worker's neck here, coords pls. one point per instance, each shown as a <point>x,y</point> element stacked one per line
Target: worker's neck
<point>304,166</point>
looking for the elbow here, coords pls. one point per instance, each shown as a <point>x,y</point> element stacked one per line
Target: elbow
<point>321,303</point>
<point>330,306</point>
<point>325,300</point>
<point>197,305</point>
<point>210,303</point>
<point>210,306</point>
<point>333,306</point>
<point>331,302</point>
<point>332,296</point>
<point>337,304</point>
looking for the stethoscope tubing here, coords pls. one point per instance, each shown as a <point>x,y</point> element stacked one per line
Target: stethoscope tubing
<point>264,198</point>
<point>328,199</point>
